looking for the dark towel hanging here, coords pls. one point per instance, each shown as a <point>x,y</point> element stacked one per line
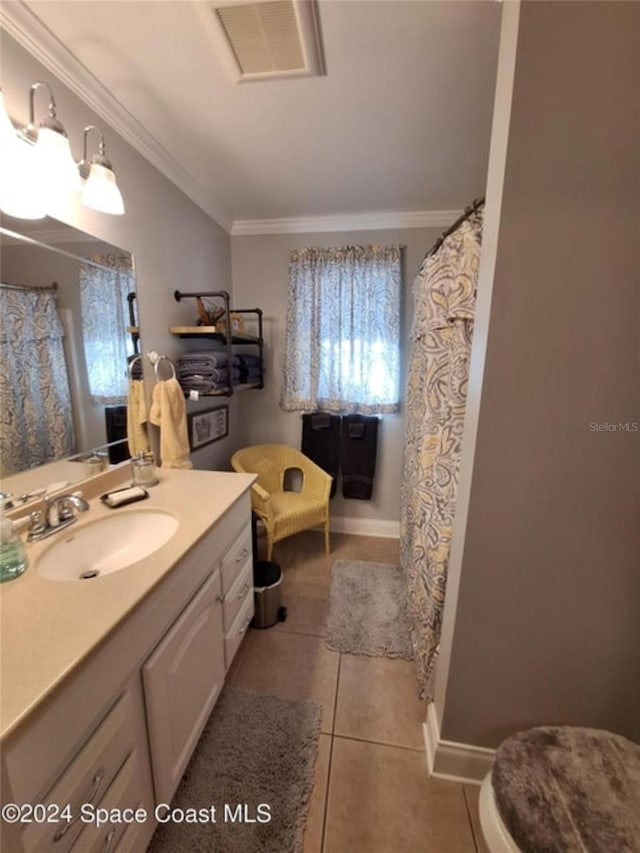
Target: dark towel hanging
<point>321,442</point>
<point>358,455</point>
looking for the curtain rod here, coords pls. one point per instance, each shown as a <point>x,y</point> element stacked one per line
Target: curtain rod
<point>52,286</point>
<point>468,211</point>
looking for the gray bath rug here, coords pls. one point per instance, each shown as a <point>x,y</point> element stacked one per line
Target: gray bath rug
<point>367,612</point>
<point>255,759</point>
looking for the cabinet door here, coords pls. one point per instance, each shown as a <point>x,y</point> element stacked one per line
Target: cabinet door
<point>182,679</point>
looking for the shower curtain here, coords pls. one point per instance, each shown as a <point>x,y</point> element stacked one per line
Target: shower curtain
<point>35,404</point>
<point>444,293</point>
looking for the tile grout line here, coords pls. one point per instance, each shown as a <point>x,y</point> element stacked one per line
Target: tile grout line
<point>380,743</point>
<point>248,641</point>
<point>333,726</point>
<point>302,633</point>
<point>468,808</point>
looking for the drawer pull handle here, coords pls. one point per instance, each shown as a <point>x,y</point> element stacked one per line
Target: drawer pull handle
<point>96,782</point>
<point>108,842</point>
<point>242,556</point>
<point>243,594</point>
<point>242,630</point>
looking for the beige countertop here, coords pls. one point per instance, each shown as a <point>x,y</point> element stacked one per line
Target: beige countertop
<point>48,627</point>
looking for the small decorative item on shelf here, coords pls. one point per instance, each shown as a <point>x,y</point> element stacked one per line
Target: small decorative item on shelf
<point>237,323</point>
<point>208,316</point>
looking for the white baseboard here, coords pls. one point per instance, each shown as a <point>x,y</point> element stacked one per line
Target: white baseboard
<point>365,527</point>
<point>457,762</point>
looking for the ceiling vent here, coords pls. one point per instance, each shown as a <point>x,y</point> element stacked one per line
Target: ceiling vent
<point>265,39</point>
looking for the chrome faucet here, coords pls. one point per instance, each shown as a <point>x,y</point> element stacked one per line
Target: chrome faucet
<point>59,510</point>
<point>58,513</point>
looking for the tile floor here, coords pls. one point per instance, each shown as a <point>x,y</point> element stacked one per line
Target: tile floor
<point>371,793</point>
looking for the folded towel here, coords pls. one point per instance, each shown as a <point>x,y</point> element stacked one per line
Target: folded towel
<point>247,360</point>
<point>251,375</point>
<point>358,455</point>
<point>321,442</point>
<point>169,412</point>
<point>205,360</point>
<point>214,373</point>
<point>320,420</point>
<point>137,438</point>
<point>356,430</point>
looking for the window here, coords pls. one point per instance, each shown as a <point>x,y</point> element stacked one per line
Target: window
<point>342,348</point>
<point>104,284</point>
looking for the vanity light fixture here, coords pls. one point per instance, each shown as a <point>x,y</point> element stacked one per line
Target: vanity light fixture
<point>38,172</point>
<point>18,183</point>
<point>53,158</point>
<point>101,192</point>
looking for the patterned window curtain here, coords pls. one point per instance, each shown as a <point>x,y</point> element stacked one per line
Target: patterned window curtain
<point>35,404</point>
<point>104,307</point>
<point>342,346</point>
<point>444,293</point>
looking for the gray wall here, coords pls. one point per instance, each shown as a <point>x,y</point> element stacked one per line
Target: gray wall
<point>547,627</point>
<point>174,243</point>
<point>260,269</point>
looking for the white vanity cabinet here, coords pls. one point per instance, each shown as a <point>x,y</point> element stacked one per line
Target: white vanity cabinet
<point>119,731</point>
<point>110,766</point>
<point>182,680</point>
<point>236,571</point>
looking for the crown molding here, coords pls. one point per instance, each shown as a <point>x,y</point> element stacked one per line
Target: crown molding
<point>21,23</point>
<point>346,222</point>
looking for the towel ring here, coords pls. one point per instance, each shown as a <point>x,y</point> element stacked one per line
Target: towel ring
<point>131,363</point>
<point>156,365</point>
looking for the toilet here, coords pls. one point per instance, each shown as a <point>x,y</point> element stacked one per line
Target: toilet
<point>496,834</point>
<point>562,788</point>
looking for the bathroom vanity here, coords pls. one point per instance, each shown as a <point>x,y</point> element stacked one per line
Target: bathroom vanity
<point>107,683</point>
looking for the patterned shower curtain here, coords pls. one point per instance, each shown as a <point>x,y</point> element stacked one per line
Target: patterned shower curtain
<point>35,404</point>
<point>444,294</point>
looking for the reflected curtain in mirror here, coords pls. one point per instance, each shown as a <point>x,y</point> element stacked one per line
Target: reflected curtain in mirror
<point>105,283</point>
<point>35,406</point>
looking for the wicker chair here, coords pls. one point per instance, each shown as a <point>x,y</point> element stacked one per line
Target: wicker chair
<point>285,512</point>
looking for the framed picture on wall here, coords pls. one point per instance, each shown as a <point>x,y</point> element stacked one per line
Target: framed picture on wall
<point>207,426</point>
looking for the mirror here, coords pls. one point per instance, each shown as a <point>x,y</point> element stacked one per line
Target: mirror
<point>68,332</point>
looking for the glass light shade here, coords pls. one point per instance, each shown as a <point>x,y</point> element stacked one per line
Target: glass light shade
<point>19,191</point>
<point>7,131</point>
<point>101,191</point>
<point>57,167</point>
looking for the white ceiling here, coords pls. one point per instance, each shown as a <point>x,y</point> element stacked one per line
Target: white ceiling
<point>400,122</point>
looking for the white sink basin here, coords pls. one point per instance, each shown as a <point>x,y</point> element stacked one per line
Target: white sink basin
<point>107,545</point>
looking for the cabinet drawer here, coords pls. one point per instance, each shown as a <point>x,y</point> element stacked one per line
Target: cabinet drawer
<point>125,792</point>
<point>235,559</point>
<point>237,595</point>
<point>238,630</point>
<point>87,777</point>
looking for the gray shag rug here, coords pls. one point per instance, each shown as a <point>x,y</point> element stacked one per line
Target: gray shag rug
<point>565,789</point>
<point>367,610</point>
<point>255,749</point>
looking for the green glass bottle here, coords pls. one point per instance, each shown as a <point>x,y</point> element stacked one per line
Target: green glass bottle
<point>13,557</point>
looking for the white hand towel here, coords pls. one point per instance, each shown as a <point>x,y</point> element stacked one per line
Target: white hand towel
<point>136,418</point>
<point>169,412</point>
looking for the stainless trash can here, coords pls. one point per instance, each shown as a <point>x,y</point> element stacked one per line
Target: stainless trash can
<point>267,578</point>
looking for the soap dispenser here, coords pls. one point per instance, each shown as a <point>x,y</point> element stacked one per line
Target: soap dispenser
<point>13,557</point>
